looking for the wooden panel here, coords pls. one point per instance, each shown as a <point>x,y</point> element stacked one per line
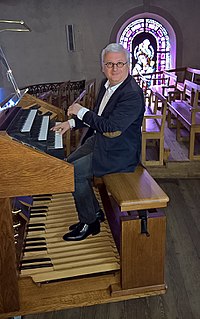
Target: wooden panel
<point>137,190</point>
<point>62,295</point>
<point>25,171</point>
<point>142,257</point>
<point>72,294</point>
<point>9,294</point>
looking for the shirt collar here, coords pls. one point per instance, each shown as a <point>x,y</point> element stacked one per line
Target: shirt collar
<point>111,88</point>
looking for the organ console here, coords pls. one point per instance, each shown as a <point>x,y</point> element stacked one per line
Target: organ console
<point>26,170</point>
<point>39,271</point>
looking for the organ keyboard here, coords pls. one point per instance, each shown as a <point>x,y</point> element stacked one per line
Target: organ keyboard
<point>32,128</point>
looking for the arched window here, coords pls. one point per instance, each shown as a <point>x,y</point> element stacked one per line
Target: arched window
<point>149,44</point>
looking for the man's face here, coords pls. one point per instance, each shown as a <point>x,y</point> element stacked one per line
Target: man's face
<point>115,74</point>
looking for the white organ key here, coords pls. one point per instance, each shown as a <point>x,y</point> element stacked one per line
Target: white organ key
<point>58,139</point>
<point>29,121</point>
<point>44,128</point>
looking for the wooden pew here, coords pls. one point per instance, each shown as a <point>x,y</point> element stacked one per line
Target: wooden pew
<point>166,86</point>
<point>153,130</point>
<point>190,74</point>
<point>187,114</point>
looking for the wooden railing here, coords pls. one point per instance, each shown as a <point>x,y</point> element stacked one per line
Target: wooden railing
<point>183,73</point>
<point>60,94</point>
<point>63,94</point>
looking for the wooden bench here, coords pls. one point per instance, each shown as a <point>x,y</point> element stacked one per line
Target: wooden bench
<point>187,114</point>
<point>153,130</point>
<point>136,201</point>
<point>190,74</point>
<point>166,86</point>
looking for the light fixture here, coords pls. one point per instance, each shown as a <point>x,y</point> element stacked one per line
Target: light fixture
<point>25,28</point>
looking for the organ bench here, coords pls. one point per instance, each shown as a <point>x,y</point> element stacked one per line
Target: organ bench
<point>136,201</point>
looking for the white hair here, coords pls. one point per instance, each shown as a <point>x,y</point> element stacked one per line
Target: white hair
<point>115,47</point>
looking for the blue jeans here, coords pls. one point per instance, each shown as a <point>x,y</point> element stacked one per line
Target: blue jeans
<point>85,200</point>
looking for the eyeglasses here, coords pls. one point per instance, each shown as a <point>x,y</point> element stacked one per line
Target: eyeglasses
<point>118,64</point>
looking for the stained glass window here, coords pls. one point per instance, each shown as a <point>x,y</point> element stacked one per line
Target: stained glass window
<point>149,45</point>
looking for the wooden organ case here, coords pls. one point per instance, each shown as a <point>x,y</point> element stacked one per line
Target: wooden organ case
<point>109,270</point>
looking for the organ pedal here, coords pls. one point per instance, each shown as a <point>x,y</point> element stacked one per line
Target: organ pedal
<point>48,257</point>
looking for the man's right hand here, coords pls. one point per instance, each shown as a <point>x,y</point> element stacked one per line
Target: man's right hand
<point>62,127</point>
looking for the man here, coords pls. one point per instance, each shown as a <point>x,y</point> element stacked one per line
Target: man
<point>115,145</point>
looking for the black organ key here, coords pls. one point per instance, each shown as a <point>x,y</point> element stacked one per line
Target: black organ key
<point>28,261</point>
<point>34,266</point>
<point>34,239</point>
<point>34,244</point>
<point>38,215</point>
<point>32,249</point>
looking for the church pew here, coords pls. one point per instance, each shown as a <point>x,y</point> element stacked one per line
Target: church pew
<point>186,111</point>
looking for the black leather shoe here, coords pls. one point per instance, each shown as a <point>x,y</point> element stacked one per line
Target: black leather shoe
<point>100,216</point>
<point>82,231</point>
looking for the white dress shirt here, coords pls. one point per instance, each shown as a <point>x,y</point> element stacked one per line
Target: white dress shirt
<point>109,92</point>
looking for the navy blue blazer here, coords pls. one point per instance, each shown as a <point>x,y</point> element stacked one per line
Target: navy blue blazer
<point>118,130</point>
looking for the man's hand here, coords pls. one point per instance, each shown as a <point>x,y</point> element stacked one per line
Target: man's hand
<point>73,109</point>
<point>61,128</point>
